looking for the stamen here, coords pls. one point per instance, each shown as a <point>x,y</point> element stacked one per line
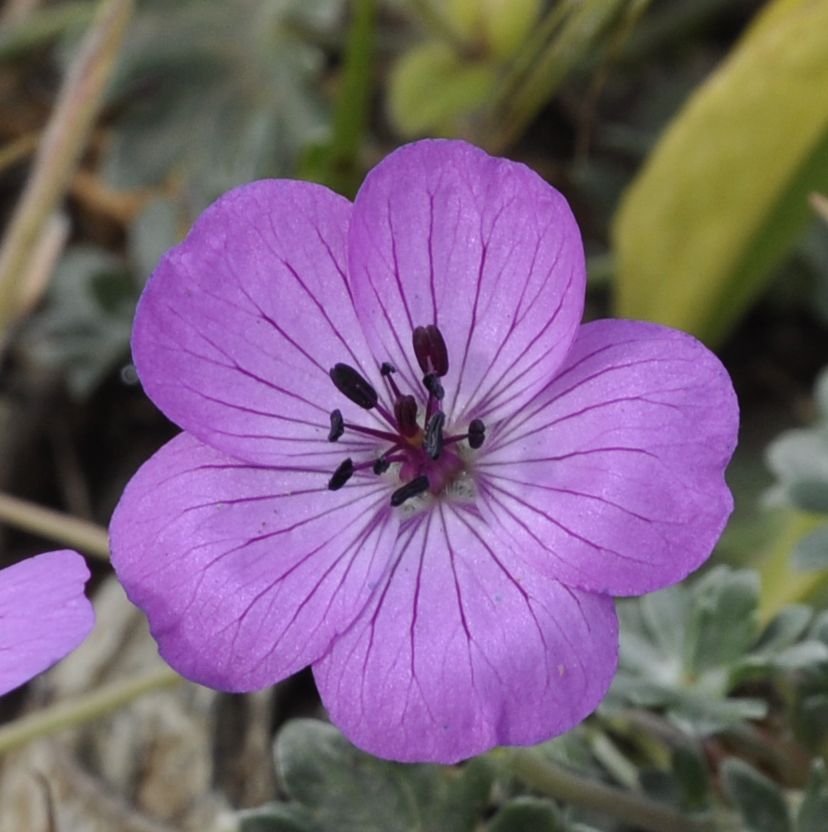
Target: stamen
<point>405,411</point>
<point>477,433</point>
<point>351,384</point>
<point>386,370</point>
<point>342,474</point>
<point>381,465</point>
<point>337,426</point>
<point>434,435</point>
<point>409,490</point>
<point>430,349</point>
<point>378,434</point>
<point>432,384</point>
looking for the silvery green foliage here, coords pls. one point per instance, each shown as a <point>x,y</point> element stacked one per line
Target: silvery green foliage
<point>763,806</point>
<point>83,328</point>
<point>686,650</point>
<point>215,93</point>
<point>207,94</point>
<point>333,787</point>
<point>799,459</point>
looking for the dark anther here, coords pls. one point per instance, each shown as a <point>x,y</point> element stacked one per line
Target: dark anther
<point>430,349</point>
<point>477,433</point>
<point>434,434</point>
<point>337,426</point>
<point>409,490</point>
<point>351,384</point>
<point>386,368</point>
<point>432,384</point>
<point>381,465</point>
<point>405,412</point>
<point>341,475</point>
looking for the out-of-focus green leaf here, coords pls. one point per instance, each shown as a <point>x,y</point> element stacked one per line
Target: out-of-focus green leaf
<point>785,628</point>
<point>215,94</point>
<point>528,813</point>
<point>43,25</point>
<point>760,803</point>
<point>432,88</point>
<point>685,665</point>
<point>811,552</point>
<point>154,231</point>
<point>84,327</point>
<point>345,790</point>
<point>811,495</point>
<point>813,812</point>
<point>499,26</point>
<point>724,623</point>
<point>276,817</point>
<point>724,194</point>
<point>691,776</point>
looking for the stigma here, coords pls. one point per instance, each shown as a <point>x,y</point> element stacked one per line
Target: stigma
<point>429,460</point>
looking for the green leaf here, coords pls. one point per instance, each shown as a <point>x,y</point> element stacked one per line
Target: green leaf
<point>810,717</point>
<point>84,327</point>
<point>785,628</point>
<point>811,552</point>
<point>724,194</point>
<point>724,622</point>
<point>665,615</point>
<point>759,801</point>
<point>153,232</point>
<point>276,817</point>
<point>813,811</point>
<point>528,813</point>
<point>811,494</point>
<point>692,777</point>
<point>215,94</point>
<point>432,88</point>
<point>346,790</point>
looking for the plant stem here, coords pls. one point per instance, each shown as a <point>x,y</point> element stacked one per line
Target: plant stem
<point>351,113</point>
<point>335,162</point>
<point>63,141</point>
<point>551,779</point>
<point>63,528</point>
<point>81,709</point>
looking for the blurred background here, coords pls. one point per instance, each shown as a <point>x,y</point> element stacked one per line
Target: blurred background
<point>691,139</point>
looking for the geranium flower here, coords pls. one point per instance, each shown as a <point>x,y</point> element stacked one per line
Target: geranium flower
<point>405,462</point>
<point>43,614</point>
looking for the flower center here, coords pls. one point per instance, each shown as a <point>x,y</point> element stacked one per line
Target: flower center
<point>429,459</point>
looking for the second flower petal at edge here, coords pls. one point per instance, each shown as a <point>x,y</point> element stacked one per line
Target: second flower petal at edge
<point>246,573</point>
<point>241,322</point>
<point>44,614</point>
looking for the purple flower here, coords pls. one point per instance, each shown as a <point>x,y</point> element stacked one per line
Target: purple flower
<point>405,461</point>
<point>43,614</point>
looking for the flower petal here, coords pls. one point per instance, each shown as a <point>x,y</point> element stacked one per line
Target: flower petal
<point>241,322</point>
<point>615,472</point>
<point>442,233</point>
<point>465,648</point>
<point>44,614</point>
<point>245,572</point>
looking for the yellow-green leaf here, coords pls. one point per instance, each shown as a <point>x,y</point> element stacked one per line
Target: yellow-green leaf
<point>432,89</point>
<point>725,192</point>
